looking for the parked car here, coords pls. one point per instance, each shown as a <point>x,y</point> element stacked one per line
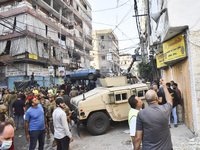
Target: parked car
<point>83,74</point>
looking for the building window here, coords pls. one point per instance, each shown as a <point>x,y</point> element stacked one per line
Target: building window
<point>45,46</point>
<point>54,52</point>
<point>77,8</point>
<point>46,27</point>
<point>63,37</point>
<point>14,25</point>
<point>7,49</point>
<point>102,37</point>
<point>103,57</point>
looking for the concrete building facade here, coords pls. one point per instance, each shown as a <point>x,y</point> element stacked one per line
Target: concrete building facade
<point>125,62</point>
<point>105,52</point>
<point>36,34</point>
<point>174,42</point>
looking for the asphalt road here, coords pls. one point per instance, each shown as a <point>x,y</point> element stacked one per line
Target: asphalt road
<point>117,137</point>
<point>114,139</point>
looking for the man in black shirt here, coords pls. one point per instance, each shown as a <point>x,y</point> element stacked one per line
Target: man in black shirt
<point>161,96</point>
<point>175,103</point>
<point>18,111</point>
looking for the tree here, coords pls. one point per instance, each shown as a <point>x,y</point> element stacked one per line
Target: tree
<point>144,69</point>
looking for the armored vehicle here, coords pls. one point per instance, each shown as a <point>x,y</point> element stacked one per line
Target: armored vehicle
<point>98,107</point>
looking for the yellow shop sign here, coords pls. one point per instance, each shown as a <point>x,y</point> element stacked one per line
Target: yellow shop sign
<point>160,61</point>
<point>174,49</point>
<point>32,56</point>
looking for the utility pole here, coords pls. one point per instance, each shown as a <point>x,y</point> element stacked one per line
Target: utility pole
<point>60,37</point>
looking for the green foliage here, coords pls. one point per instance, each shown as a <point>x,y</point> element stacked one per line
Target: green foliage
<point>144,69</point>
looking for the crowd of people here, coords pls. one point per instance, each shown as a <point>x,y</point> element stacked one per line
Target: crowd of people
<point>47,111</point>
<point>149,127</point>
<point>38,111</point>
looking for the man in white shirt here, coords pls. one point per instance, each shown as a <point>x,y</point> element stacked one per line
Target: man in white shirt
<point>136,104</point>
<point>61,129</point>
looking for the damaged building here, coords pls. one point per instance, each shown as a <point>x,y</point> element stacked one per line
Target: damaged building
<point>36,34</point>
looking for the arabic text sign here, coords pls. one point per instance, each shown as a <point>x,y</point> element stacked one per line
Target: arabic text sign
<point>160,61</point>
<point>174,49</point>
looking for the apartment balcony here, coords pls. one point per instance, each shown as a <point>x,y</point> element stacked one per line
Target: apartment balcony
<point>54,8</point>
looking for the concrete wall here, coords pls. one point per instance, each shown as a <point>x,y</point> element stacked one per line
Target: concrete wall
<point>194,56</point>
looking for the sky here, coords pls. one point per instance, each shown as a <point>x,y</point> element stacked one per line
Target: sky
<point>116,15</point>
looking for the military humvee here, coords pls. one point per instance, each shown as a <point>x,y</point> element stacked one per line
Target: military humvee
<point>97,107</point>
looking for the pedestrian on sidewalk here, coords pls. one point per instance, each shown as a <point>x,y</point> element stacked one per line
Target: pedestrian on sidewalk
<point>180,104</point>
<point>18,111</point>
<point>35,123</point>
<point>175,103</point>
<point>61,128</point>
<point>152,123</point>
<point>136,104</point>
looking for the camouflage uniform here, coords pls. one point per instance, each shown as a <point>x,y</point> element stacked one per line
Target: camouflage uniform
<point>3,109</point>
<point>52,107</point>
<point>4,99</point>
<point>11,100</point>
<point>45,104</point>
<point>73,93</point>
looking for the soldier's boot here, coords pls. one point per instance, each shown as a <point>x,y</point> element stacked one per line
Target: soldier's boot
<point>54,143</point>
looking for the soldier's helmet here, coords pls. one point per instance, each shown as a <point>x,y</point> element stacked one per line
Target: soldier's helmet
<point>3,108</point>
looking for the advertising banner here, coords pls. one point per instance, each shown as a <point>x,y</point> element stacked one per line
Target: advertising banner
<point>51,71</point>
<point>16,70</point>
<point>174,49</point>
<point>38,70</point>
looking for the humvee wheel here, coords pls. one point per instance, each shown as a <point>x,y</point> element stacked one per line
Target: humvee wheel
<point>98,123</point>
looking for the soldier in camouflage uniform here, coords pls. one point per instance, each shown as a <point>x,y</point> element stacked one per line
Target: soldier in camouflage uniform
<point>4,98</point>
<point>50,112</point>
<point>45,104</point>
<point>73,92</point>
<point>4,110</point>
<point>11,100</point>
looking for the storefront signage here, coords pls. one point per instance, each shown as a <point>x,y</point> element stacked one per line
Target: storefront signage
<point>174,49</point>
<point>38,70</point>
<point>160,61</point>
<point>16,70</point>
<point>32,56</point>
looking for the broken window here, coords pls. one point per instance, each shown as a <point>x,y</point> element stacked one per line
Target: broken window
<point>54,52</point>
<point>63,37</point>
<point>14,24</point>
<point>103,57</point>
<point>46,27</point>
<point>45,46</point>
<point>7,49</point>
